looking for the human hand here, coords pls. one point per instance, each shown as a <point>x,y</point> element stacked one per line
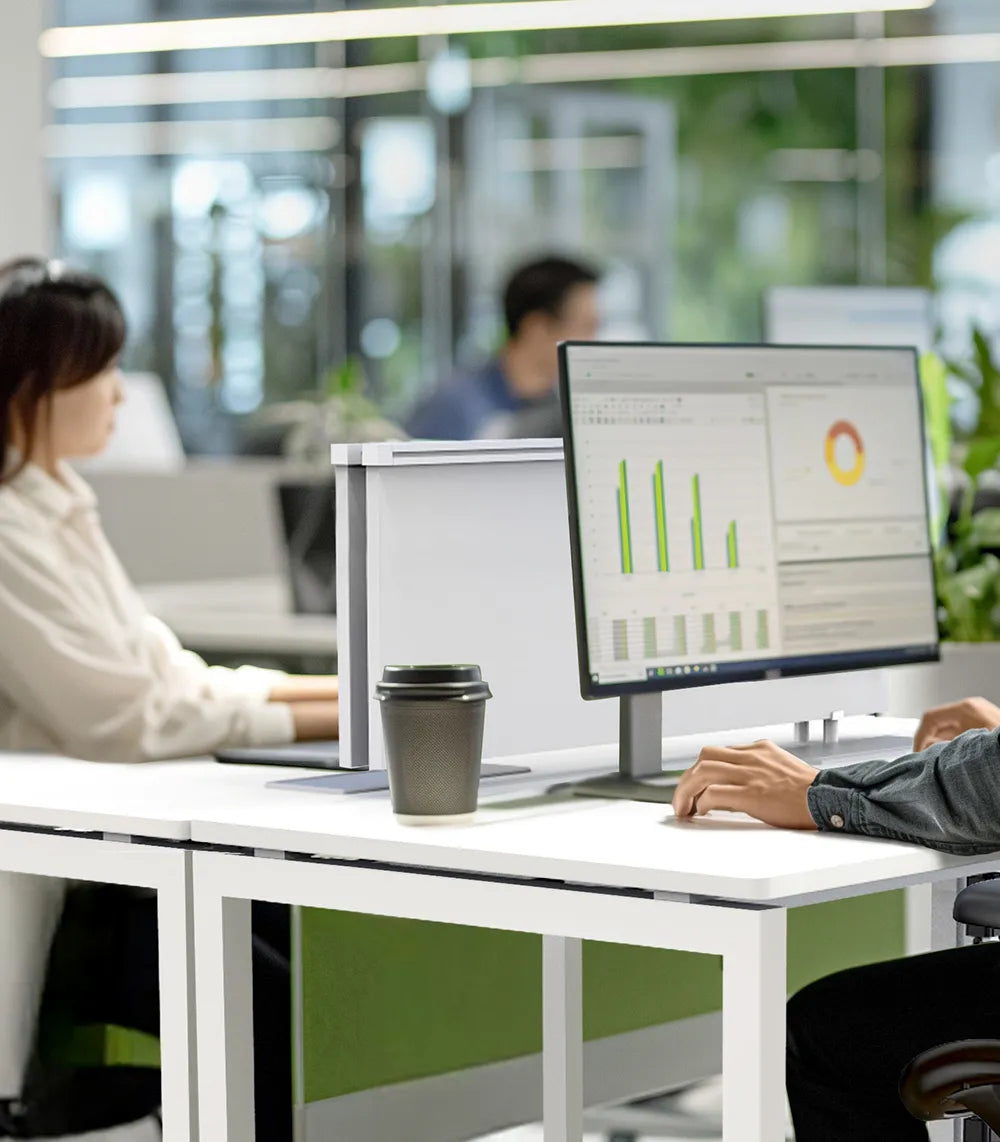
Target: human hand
<point>762,780</point>
<point>944,723</point>
<point>315,721</point>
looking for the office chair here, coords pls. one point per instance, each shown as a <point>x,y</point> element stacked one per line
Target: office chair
<point>962,1079</point>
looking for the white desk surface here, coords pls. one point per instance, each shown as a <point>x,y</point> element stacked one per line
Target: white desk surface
<point>615,844</point>
<point>250,616</point>
<point>155,800</point>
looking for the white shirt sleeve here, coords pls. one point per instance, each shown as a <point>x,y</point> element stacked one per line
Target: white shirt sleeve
<point>96,695</point>
<point>250,682</point>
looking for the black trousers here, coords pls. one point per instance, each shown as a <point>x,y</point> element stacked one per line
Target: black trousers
<point>850,1036</point>
<point>104,969</point>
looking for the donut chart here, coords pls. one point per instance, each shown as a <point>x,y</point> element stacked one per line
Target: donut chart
<point>847,477</point>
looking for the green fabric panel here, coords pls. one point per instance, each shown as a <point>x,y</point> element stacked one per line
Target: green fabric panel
<point>388,1000</point>
<point>625,988</point>
<point>824,938</point>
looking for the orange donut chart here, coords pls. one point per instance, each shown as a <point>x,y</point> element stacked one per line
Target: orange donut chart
<point>845,476</point>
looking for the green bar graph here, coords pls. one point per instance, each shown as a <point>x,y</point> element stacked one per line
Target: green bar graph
<point>624,522</point>
<point>659,503</point>
<point>709,644</point>
<point>735,630</point>
<point>732,546</point>
<point>763,636</point>
<point>680,635</point>
<point>619,640</point>
<point>697,533</point>
<point>649,637</point>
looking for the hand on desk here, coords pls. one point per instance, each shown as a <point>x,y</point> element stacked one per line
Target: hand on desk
<point>762,780</point>
<point>945,723</point>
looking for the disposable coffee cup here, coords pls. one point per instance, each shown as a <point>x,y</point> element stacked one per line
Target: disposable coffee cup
<point>432,725</point>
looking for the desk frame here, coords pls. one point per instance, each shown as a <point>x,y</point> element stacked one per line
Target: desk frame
<point>109,859</point>
<point>750,938</point>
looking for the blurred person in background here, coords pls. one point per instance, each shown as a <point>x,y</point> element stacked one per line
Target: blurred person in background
<point>545,301</point>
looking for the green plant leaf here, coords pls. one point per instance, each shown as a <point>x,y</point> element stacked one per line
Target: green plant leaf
<point>981,455</point>
<point>937,408</point>
<point>970,599</point>
<point>989,386</point>
<point>985,530</point>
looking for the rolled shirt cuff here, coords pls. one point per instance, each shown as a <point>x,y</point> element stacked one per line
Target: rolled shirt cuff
<point>270,723</point>
<point>832,809</point>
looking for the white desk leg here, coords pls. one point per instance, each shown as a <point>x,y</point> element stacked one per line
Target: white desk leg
<point>178,1072</point>
<point>562,1038</point>
<point>224,991</point>
<point>753,1032</point>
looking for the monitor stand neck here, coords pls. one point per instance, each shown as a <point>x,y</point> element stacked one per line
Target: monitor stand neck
<point>640,757</point>
<point>640,734</point>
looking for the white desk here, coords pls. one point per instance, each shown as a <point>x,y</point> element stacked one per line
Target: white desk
<point>78,820</point>
<point>240,616</point>
<point>569,871</point>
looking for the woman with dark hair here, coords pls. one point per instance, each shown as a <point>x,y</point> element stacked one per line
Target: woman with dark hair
<point>84,669</point>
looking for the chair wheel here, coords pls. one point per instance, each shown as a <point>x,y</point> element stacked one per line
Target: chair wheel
<point>618,1136</point>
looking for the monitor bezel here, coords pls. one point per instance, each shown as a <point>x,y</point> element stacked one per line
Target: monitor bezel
<point>850,662</point>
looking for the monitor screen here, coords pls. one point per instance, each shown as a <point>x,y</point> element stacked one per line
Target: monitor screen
<point>740,513</point>
<point>849,315</point>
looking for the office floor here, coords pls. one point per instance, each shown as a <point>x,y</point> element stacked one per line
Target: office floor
<point>694,1115</point>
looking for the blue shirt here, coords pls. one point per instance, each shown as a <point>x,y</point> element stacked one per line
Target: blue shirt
<point>463,405</point>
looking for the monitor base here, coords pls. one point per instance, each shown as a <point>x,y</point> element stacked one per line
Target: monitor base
<point>615,787</point>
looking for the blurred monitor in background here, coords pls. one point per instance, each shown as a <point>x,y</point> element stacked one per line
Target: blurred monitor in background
<point>145,433</point>
<point>545,302</point>
<point>849,315</point>
<point>309,528</point>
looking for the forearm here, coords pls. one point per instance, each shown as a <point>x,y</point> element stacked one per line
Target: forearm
<point>946,798</point>
<point>306,688</point>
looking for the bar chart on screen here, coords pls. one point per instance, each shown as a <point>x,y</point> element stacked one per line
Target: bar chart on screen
<point>683,529</point>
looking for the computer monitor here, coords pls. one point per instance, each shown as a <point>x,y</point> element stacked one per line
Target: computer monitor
<point>308,525</point>
<point>849,315</point>
<point>742,513</point>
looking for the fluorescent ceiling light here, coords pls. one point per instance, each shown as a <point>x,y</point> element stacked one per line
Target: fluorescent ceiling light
<point>224,136</point>
<point>609,152</point>
<point>179,88</point>
<point>430,20</point>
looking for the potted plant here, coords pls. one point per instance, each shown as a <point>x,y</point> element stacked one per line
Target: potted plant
<point>340,412</point>
<point>966,535</point>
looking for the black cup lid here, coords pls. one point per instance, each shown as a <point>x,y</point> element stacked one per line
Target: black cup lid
<point>458,683</point>
<point>431,675</point>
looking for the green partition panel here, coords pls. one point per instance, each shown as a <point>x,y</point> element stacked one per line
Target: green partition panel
<point>386,1001</point>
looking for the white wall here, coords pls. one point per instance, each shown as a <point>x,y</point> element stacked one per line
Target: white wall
<point>25,198</point>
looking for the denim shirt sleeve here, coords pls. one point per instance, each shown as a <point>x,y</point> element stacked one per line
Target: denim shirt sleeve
<point>946,798</point>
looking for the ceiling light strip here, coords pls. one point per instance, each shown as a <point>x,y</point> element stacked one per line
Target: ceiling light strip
<point>224,136</point>
<point>576,67</point>
<point>430,20</point>
<point>183,87</point>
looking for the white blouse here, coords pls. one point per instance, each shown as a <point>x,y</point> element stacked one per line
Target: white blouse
<point>85,670</point>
